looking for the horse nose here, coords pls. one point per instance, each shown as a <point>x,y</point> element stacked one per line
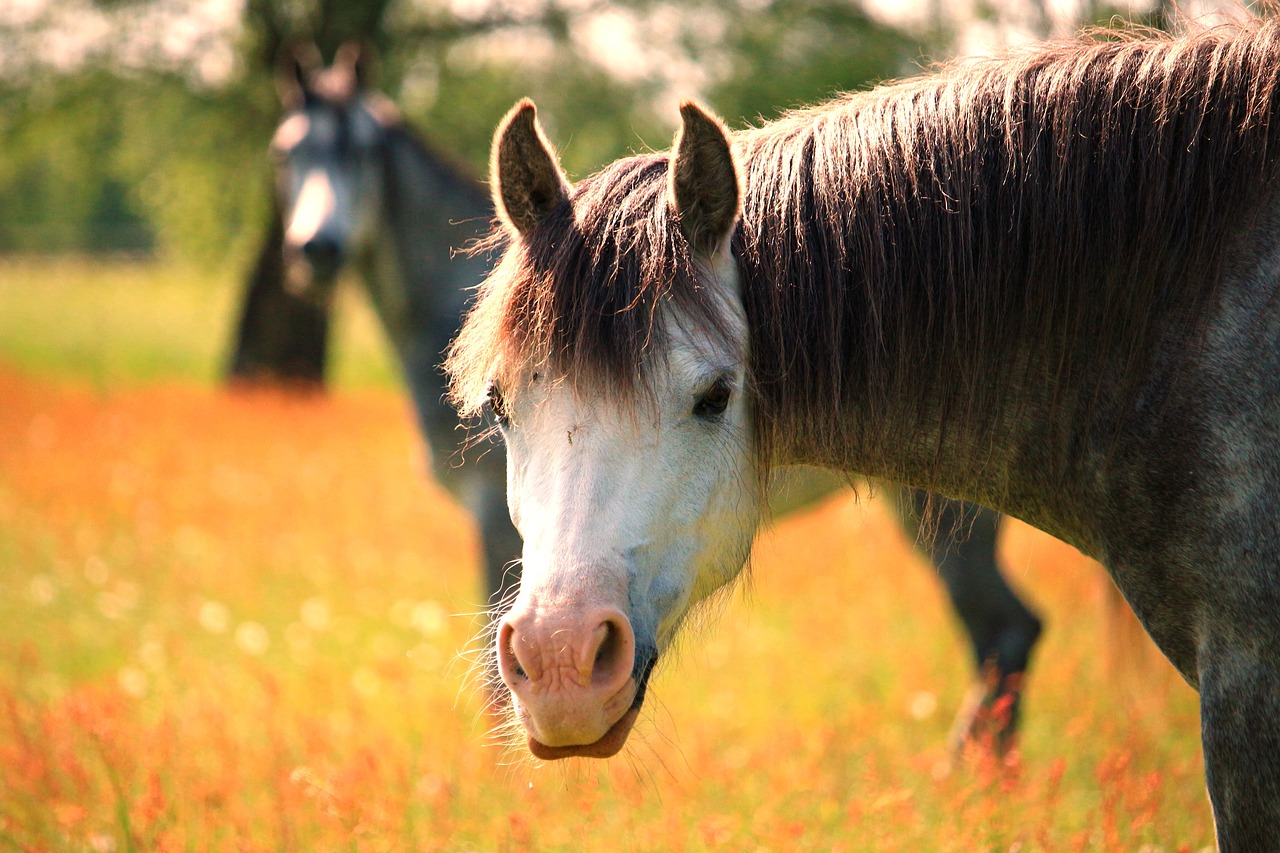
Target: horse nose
<point>324,254</point>
<point>571,674</point>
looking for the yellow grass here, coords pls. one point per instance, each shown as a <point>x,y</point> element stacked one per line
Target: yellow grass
<point>231,622</point>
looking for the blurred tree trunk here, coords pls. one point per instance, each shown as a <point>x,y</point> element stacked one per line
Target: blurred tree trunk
<point>280,338</point>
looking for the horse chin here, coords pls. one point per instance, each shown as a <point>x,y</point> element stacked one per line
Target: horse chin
<point>309,285</point>
<point>606,747</point>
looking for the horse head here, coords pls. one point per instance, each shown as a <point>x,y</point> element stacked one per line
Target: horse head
<point>328,152</point>
<point>610,346</point>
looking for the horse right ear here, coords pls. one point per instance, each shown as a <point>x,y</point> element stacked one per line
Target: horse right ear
<point>527,180</point>
<point>294,67</point>
<point>361,60</point>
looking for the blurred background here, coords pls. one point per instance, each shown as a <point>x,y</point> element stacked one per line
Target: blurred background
<point>140,126</point>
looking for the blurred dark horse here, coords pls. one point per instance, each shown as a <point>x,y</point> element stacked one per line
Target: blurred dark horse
<point>357,187</point>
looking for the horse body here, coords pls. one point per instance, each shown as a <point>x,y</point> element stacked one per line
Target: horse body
<point>359,188</point>
<point>1045,284</point>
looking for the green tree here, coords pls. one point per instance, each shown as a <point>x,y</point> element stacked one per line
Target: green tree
<point>134,138</point>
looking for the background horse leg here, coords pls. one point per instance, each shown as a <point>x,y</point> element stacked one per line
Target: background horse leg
<point>475,475</point>
<point>500,541</point>
<point>1001,627</point>
<point>484,494</point>
<point>477,478</point>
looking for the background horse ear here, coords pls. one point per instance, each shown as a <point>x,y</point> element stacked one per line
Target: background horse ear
<point>361,60</point>
<point>527,180</point>
<point>702,182</point>
<point>294,67</point>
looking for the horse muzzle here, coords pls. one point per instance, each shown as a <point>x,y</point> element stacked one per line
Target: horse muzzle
<point>311,270</point>
<point>575,678</point>
<point>325,257</point>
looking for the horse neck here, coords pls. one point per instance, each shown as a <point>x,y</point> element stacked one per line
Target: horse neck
<point>985,281</point>
<point>418,277</point>
<point>901,396</point>
<point>418,281</point>
<point>1028,460</point>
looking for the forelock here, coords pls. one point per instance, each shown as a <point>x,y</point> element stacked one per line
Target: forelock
<point>585,295</point>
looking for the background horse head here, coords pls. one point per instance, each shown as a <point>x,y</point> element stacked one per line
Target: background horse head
<point>329,154</point>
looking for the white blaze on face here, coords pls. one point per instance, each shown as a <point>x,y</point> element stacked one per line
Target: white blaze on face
<point>314,206</point>
<point>632,511</point>
<point>649,507</point>
<point>290,132</point>
<point>334,194</point>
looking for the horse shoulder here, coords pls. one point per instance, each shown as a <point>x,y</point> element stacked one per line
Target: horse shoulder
<point>1193,488</point>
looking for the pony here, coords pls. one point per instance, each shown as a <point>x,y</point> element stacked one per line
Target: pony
<point>1046,283</point>
<point>357,188</point>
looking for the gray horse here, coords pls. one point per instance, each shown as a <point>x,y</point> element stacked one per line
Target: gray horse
<point>357,186</point>
<point>1047,282</point>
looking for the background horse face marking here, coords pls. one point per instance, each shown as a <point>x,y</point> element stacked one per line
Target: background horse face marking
<point>330,188</point>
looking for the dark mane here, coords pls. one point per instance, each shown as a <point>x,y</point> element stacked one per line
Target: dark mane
<point>919,236</point>
<point>582,294</point>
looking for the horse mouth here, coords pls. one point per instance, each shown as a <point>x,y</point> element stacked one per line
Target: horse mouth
<point>309,283</point>
<point>612,741</point>
<point>606,747</point>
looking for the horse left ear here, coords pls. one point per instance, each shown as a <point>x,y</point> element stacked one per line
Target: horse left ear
<point>703,187</point>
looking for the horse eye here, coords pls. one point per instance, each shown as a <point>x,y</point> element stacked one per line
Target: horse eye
<point>496,404</point>
<point>714,400</point>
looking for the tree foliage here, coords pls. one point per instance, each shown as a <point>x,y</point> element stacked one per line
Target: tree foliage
<point>152,135</point>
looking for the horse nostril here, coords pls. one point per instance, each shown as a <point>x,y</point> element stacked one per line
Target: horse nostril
<point>607,654</point>
<point>323,253</point>
<point>615,653</point>
<point>508,659</point>
<point>600,656</point>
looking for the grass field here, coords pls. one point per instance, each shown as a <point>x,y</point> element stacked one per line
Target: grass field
<point>232,621</point>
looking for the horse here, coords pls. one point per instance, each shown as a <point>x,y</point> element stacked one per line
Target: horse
<point>357,187</point>
<point>1046,282</point>
<point>355,184</point>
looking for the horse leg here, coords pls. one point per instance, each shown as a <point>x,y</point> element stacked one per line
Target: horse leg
<point>480,486</point>
<point>1001,627</point>
<point>1239,710</point>
<point>1221,630</point>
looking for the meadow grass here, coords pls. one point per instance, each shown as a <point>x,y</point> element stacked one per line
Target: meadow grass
<point>232,621</point>
<point>116,322</point>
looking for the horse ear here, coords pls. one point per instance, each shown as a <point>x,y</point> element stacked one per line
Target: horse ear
<point>527,180</point>
<point>361,60</point>
<point>294,67</point>
<point>703,188</point>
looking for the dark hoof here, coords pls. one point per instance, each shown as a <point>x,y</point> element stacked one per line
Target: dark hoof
<point>988,717</point>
